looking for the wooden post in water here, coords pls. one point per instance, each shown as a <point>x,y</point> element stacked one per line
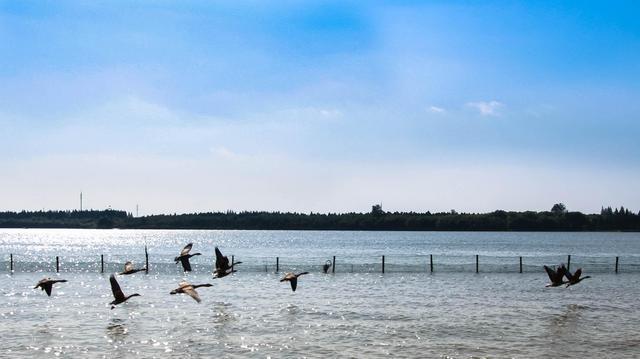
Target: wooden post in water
<point>57,264</point>
<point>382,264</point>
<point>233,260</point>
<point>431,262</point>
<point>477,263</point>
<point>146,260</point>
<point>11,262</point>
<point>333,265</point>
<point>102,263</point>
<point>277,264</point>
<point>617,264</point>
<point>569,262</point>
<point>520,264</point>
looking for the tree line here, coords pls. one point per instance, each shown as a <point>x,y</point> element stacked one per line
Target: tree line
<point>556,219</point>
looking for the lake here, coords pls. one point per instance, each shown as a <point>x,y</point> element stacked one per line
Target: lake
<point>357,311</point>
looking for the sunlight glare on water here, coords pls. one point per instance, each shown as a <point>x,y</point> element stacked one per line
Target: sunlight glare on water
<point>360,314</point>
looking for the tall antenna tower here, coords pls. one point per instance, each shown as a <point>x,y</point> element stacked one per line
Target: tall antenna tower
<point>81,201</point>
<point>136,210</point>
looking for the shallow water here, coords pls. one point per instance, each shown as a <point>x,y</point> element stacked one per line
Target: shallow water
<point>252,314</point>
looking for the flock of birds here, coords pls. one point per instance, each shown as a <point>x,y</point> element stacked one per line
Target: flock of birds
<point>557,276</point>
<point>223,268</point>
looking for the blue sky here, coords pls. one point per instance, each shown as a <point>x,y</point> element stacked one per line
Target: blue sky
<point>319,106</point>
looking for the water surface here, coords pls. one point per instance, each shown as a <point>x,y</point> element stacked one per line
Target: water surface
<point>406,312</point>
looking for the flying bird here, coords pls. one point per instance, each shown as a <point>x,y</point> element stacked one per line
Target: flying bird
<point>223,268</point>
<point>190,289</point>
<point>128,269</point>
<point>556,276</point>
<point>46,284</point>
<point>117,292</point>
<point>575,277</point>
<point>184,257</point>
<point>293,279</point>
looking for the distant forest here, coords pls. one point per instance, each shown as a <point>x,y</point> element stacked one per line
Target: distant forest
<point>556,219</point>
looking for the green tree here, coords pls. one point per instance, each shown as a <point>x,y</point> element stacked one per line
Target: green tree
<point>559,208</point>
<point>377,210</point>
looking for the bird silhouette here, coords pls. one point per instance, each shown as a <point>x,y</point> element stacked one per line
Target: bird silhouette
<point>118,296</point>
<point>46,284</point>
<point>189,289</point>
<point>184,257</point>
<point>556,276</point>
<point>575,277</point>
<point>223,268</point>
<point>326,266</point>
<point>293,279</point>
<point>128,269</point>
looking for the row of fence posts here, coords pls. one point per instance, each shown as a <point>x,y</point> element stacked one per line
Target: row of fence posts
<point>333,263</point>
<point>146,260</point>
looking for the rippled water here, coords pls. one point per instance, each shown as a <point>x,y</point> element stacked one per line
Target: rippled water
<point>361,314</point>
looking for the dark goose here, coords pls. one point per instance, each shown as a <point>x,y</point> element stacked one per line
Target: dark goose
<point>184,257</point>
<point>223,268</point>
<point>293,279</point>
<point>46,284</point>
<point>575,277</point>
<point>556,276</point>
<point>117,293</point>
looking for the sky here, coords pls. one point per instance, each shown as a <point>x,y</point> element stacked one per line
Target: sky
<point>190,106</point>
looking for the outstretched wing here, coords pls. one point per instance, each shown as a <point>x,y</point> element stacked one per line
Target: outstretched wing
<point>128,267</point>
<point>115,288</point>
<point>568,275</point>
<point>222,262</point>
<point>47,287</point>
<point>294,283</point>
<point>551,273</point>
<point>578,273</point>
<point>186,249</point>
<point>186,265</point>
<point>287,276</point>
<point>192,293</point>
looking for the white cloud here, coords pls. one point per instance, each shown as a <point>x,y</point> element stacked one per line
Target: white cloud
<point>436,109</point>
<point>308,114</point>
<point>487,108</point>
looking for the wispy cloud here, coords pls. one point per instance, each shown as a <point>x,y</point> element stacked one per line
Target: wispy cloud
<point>487,108</point>
<point>436,109</point>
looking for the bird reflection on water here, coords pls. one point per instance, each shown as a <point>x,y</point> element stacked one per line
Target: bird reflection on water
<point>569,318</point>
<point>117,330</point>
